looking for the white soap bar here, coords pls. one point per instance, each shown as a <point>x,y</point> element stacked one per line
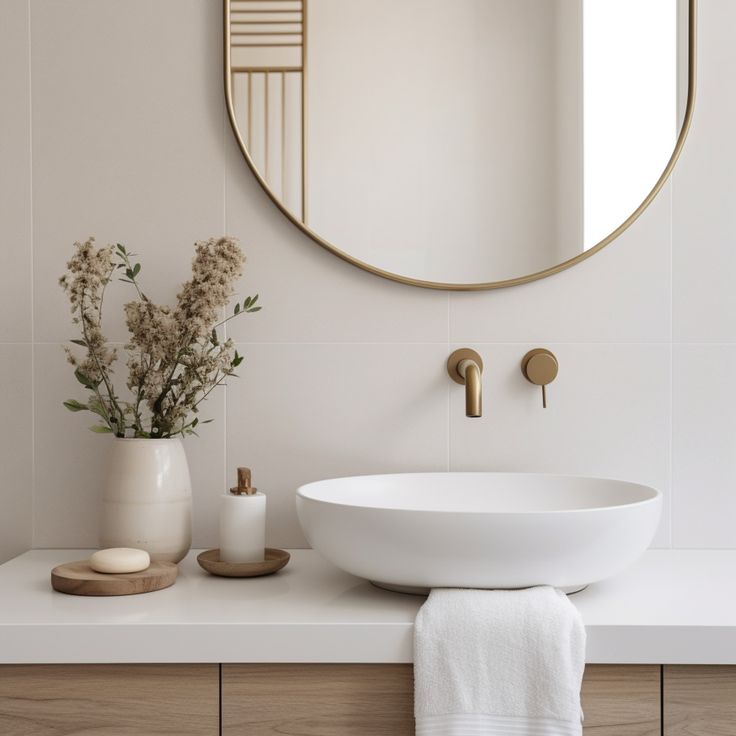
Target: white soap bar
<point>119,560</point>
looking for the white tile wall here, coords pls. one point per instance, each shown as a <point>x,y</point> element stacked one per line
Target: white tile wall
<point>15,173</point>
<point>344,372</point>
<point>704,187</point>
<point>16,332</point>
<point>16,450</point>
<point>704,446</point>
<point>127,139</point>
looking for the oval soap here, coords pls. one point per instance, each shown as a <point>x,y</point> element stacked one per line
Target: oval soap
<point>119,560</point>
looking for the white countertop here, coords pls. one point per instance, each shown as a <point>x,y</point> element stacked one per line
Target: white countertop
<point>673,606</point>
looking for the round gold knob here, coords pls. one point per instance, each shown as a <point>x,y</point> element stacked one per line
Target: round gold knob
<point>540,367</point>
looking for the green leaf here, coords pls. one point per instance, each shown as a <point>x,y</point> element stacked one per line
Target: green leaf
<point>83,343</point>
<point>254,309</point>
<point>121,248</point>
<point>74,405</point>
<point>195,422</point>
<point>96,407</point>
<point>86,381</point>
<point>100,429</point>
<point>207,421</point>
<point>237,309</point>
<point>126,281</point>
<point>136,269</point>
<point>129,273</point>
<point>213,337</point>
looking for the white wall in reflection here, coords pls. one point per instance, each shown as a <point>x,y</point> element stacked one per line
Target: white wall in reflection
<point>435,132</point>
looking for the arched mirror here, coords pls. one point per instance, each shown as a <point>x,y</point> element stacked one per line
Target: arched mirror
<point>461,144</point>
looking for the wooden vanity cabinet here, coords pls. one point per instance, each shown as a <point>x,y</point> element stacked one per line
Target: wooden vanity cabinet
<point>114,700</point>
<point>327,700</point>
<point>377,700</point>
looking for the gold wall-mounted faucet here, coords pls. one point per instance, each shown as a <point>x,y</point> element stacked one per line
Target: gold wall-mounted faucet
<point>465,367</point>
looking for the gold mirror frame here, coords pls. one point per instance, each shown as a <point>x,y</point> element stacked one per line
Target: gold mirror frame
<point>691,80</point>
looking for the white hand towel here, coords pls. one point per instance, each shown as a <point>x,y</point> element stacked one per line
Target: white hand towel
<point>498,663</point>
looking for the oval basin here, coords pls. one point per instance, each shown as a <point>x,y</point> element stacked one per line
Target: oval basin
<point>479,530</point>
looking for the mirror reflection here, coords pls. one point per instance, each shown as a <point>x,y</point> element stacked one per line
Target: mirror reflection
<point>459,141</point>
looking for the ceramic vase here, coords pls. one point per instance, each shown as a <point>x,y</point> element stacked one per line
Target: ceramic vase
<point>147,499</point>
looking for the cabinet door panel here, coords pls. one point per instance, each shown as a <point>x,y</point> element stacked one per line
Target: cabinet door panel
<point>109,700</point>
<point>621,700</point>
<point>699,700</point>
<point>318,700</point>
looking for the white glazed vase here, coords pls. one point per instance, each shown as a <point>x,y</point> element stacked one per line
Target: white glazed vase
<point>147,499</point>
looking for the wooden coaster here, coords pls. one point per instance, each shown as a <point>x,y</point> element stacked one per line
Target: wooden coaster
<point>78,578</point>
<point>275,560</point>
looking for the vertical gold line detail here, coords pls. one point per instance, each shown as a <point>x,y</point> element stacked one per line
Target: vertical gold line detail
<point>265,123</point>
<point>250,111</point>
<point>283,136</point>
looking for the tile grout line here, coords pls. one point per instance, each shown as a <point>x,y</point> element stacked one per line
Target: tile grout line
<point>591,343</point>
<point>32,285</point>
<point>671,514</point>
<point>447,389</point>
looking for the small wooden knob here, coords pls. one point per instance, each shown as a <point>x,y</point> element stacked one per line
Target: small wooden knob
<point>244,477</point>
<point>244,487</point>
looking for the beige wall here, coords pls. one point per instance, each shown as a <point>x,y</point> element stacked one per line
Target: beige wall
<point>344,372</point>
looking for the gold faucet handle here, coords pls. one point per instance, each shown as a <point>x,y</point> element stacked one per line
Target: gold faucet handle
<point>540,367</point>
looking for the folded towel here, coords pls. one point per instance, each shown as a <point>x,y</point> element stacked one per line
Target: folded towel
<point>497,663</point>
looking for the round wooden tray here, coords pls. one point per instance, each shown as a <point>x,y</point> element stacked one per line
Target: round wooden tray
<point>275,560</point>
<point>78,578</point>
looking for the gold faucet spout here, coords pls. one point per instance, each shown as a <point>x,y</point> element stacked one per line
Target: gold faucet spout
<point>470,371</point>
<point>465,367</point>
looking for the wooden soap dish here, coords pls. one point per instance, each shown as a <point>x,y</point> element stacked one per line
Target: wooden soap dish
<point>275,560</point>
<point>78,578</point>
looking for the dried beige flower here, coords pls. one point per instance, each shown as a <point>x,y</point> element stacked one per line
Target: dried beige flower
<point>175,356</point>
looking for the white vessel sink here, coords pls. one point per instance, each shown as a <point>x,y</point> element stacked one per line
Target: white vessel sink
<point>417,531</point>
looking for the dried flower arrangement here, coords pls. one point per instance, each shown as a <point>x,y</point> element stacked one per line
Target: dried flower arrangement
<point>176,357</point>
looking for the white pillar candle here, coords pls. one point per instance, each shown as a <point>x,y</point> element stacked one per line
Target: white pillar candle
<point>243,527</point>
